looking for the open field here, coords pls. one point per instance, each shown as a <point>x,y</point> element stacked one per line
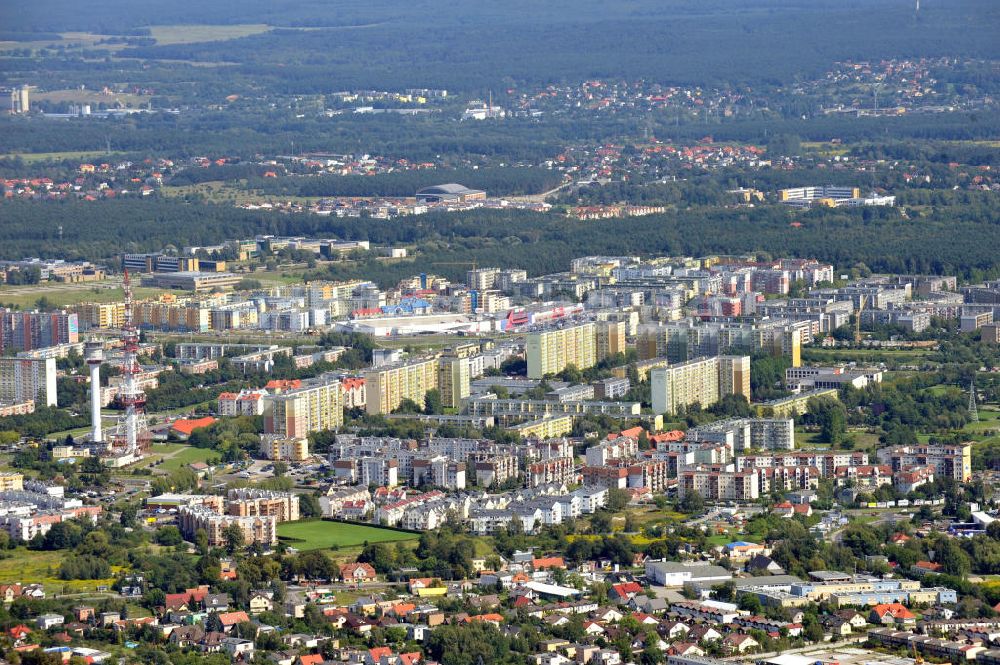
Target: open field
<point>64,295</point>
<point>176,456</point>
<point>188,455</point>
<point>83,155</point>
<point>192,34</point>
<point>319,534</point>
<point>115,99</point>
<point>862,440</point>
<point>37,567</point>
<point>826,149</point>
<point>217,191</point>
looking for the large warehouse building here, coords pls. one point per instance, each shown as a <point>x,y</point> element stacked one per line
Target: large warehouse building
<point>451,192</point>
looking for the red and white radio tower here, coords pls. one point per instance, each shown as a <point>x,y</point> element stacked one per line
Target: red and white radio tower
<point>131,435</point>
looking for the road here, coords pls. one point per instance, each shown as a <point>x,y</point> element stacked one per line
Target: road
<point>539,198</point>
<point>826,646</point>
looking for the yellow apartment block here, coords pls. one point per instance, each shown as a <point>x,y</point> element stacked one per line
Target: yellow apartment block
<point>544,428</point>
<point>100,315</point>
<point>285,450</point>
<point>703,381</point>
<point>294,414</point>
<point>389,385</point>
<point>11,482</point>
<point>610,338</point>
<point>454,380</point>
<point>551,351</point>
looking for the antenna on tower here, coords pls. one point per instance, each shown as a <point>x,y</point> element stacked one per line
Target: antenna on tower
<point>131,435</point>
<point>973,410</point>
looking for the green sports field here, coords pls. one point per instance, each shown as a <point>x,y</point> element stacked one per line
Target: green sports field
<point>318,534</point>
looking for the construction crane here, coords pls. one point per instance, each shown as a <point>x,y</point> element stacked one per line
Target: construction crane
<point>471,264</point>
<point>917,658</point>
<point>857,319</point>
<point>456,263</point>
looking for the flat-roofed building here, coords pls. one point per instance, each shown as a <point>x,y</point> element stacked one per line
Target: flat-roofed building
<point>250,502</point>
<point>260,529</point>
<point>192,281</point>
<point>551,351</point>
<point>453,380</point>
<point>285,450</point>
<point>11,482</point>
<point>387,386</point>
<point>948,460</point>
<point>547,427</point>
<point>28,379</point>
<point>701,381</point>
<point>610,338</point>
<point>100,315</point>
<point>316,406</point>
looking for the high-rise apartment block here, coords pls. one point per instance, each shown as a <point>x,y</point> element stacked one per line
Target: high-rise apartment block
<point>687,340</point>
<point>387,386</point>
<point>454,380</point>
<point>313,407</point>
<point>551,351</point>
<point>23,379</point>
<point>100,314</point>
<point>24,331</point>
<point>610,338</point>
<point>482,278</point>
<point>703,381</point>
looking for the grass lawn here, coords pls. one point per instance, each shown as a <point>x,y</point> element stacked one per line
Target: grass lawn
<point>83,155</point>
<point>718,540</point>
<point>64,295</point>
<point>28,566</point>
<point>190,34</point>
<point>319,534</point>
<point>127,100</point>
<point>189,456</point>
<point>177,456</point>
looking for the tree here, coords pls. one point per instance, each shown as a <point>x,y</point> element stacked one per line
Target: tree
<point>750,603</point>
<point>831,416</point>
<point>617,499</point>
<point>309,506</point>
<point>600,522</point>
<point>380,556</point>
<point>811,628</point>
<point>953,559</point>
<point>201,541</point>
<point>692,503</point>
<point>432,402</point>
<point>232,536</point>
<point>407,405</point>
<point>169,536</point>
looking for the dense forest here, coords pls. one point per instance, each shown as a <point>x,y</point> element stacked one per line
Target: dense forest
<point>248,132</point>
<point>471,46</point>
<point>959,238</point>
